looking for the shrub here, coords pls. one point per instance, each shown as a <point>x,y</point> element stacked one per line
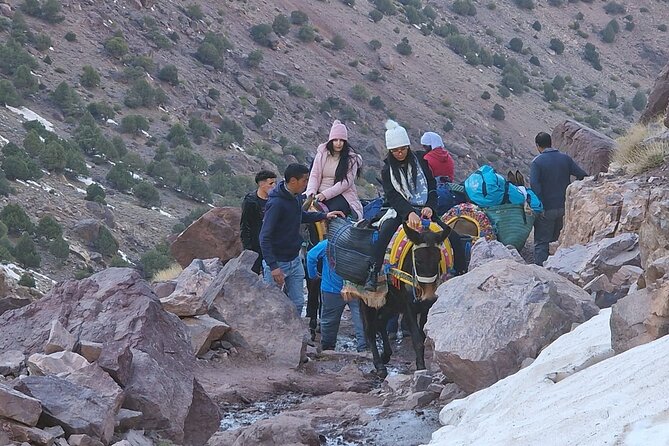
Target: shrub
<point>516,44</point>
<point>590,91</point>
<point>231,127</point>
<point>614,8</point>
<point>608,34</point>
<point>163,172</point>
<point>662,27</point>
<point>359,93</point>
<point>503,91</point>
<point>27,280</point>
<point>177,136</point>
<point>212,50</point>
<point>265,108</point>
<point>53,157</point>
<point>89,77</point>
<point>116,47</point>
<point>639,101</point>
<point>536,25</point>
<point>12,56</point>
<point>306,34</point>
<point>377,103</point>
<point>134,124</point>
<point>67,99</point>
<point>549,93</point>
<point>51,11</point>
<point>70,36</point>
<point>374,44</point>
<point>557,46</point>
<point>498,112</point>
<point>8,94</point>
<point>298,18</point>
<point>375,15</point>
<point>194,12</point>
<point>385,6</point>
<point>95,192</point>
<point>524,4</point>
<point>260,34</point>
<point>534,60</point>
<point>254,59</point>
<point>403,47</point>
<point>198,129</point>
<point>48,228</point>
<point>16,219</point>
<point>485,95</point>
<point>612,100</point>
<point>559,82</point>
<point>169,74</point>
<point>147,194</point>
<point>133,162</point>
<point>155,260</point>
<point>33,143</point>
<point>185,157</point>
<point>141,94</point>
<point>338,42</point>
<point>59,248</point>
<point>590,54</point>
<point>120,178</point>
<point>299,91</point>
<point>105,243</point>
<point>464,7</point>
<point>195,187</point>
<point>281,25</point>
<point>25,252</point>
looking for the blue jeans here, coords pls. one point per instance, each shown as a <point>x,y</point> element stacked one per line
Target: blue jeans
<point>332,307</point>
<point>547,229</point>
<point>294,286</point>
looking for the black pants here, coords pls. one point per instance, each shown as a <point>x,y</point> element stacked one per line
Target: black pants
<point>257,265</point>
<point>387,231</point>
<point>547,229</point>
<point>338,203</point>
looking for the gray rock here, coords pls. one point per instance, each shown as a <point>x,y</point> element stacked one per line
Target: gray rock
<point>87,230</point>
<point>83,440</point>
<point>55,363</point>
<point>11,362</point>
<point>589,148</point>
<point>127,419</point>
<point>449,392</point>
<point>484,251</point>
<point>203,331</point>
<point>421,382</point>
<point>187,297</point>
<point>59,339</point>
<point>90,350</point>
<point>19,407</point>
<point>421,399</point>
<point>30,435</point>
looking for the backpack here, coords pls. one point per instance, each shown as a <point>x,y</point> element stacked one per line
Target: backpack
<point>486,188</point>
<point>448,196</point>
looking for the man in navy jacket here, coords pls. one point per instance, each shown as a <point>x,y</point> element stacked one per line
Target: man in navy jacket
<point>550,175</point>
<point>280,239</point>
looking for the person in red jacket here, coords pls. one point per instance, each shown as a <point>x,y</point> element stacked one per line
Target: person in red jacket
<point>440,161</point>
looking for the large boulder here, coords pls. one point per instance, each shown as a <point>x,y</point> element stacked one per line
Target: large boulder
<point>581,264</point>
<point>589,148</point>
<point>658,99</point>
<point>603,207</point>
<point>654,231</point>
<point>262,318</point>
<point>486,322</point>
<point>484,251</point>
<point>117,308</point>
<point>215,234</point>
<point>18,406</point>
<point>186,299</point>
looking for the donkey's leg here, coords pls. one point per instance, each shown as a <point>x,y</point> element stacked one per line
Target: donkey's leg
<point>369,316</point>
<point>417,338</point>
<point>383,331</point>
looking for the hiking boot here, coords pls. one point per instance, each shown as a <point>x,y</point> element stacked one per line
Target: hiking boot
<point>372,280</point>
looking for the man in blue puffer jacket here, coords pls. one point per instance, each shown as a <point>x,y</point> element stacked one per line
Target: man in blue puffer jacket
<point>280,239</point>
<point>332,304</point>
<point>550,175</point>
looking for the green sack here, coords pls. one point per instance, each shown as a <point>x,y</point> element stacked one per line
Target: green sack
<point>511,223</point>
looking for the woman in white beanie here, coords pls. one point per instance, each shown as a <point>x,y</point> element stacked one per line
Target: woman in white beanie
<point>409,188</point>
<point>333,173</point>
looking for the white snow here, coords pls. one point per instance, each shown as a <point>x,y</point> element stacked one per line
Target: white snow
<point>86,180</point>
<point>145,133</point>
<point>111,121</point>
<point>574,393</point>
<point>3,141</point>
<point>30,115</point>
<point>136,177</point>
<point>164,213</point>
<point>125,257</point>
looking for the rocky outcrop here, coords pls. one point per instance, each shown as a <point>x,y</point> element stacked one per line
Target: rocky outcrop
<point>484,251</point>
<point>654,231</point>
<point>144,348</point>
<point>19,407</point>
<point>215,234</point>
<point>203,331</point>
<point>486,322</point>
<point>658,99</point>
<point>186,299</point>
<point>589,148</point>
<point>262,318</point>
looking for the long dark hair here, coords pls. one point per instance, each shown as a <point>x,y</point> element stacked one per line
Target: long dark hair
<point>346,160</point>
<point>396,165</point>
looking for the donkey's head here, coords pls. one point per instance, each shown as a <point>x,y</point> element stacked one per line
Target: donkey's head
<point>516,178</point>
<point>425,257</point>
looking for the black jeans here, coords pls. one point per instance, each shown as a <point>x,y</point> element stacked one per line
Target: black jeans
<point>547,229</point>
<point>338,203</point>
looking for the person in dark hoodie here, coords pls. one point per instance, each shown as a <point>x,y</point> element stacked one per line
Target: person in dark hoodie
<point>253,210</point>
<point>440,161</point>
<point>280,238</point>
<point>411,192</point>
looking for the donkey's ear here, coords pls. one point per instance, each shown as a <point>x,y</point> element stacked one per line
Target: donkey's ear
<point>412,235</point>
<point>520,178</point>
<point>511,177</point>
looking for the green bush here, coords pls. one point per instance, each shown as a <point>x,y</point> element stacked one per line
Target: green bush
<point>590,54</point>
<point>133,162</point>
<point>147,194</point>
<point>67,99</point>
<point>155,260</point>
<point>198,129</point>
<point>281,25</point>
<point>116,47</point>
<point>48,228</point>
<point>464,7</point>
<point>549,93</point>
<point>12,56</point>
<point>212,50</point>
<point>53,158</point>
<point>59,248</point>
<point>195,187</point>
<point>374,44</point>
<point>534,60</point>
<point>120,178</point>
<point>306,34</point>
<point>89,77</point>
<point>177,136</point>
<point>559,82</point>
<point>404,48</point>
<point>614,8</point>
<point>385,6</point>
<point>27,280</point>
<point>70,36</point>
<point>231,127</point>
<point>141,94</point>
<point>639,101</point>
<point>536,26</point>
<point>185,157</point>
<point>134,124</point>
<point>169,74</point>
<point>194,12</point>
<point>254,59</point>
<point>498,112</point>
<point>590,91</point>
<point>485,95</point>
<point>612,100</point>
<point>16,219</point>
<point>219,165</point>
<point>25,252</point>
<point>516,44</point>
<point>105,243</point>
<point>41,42</point>
<point>557,46</point>
<point>662,27</point>
<point>627,108</point>
<point>260,34</point>
<point>377,103</point>
<point>33,143</point>
<point>359,93</point>
<point>8,94</point>
<point>234,186</point>
<point>101,111</point>
<point>95,192</point>
<point>524,4</point>
<point>299,91</point>
<point>375,15</point>
<point>608,34</point>
<point>163,173</point>
<point>338,42</point>
<point>298,18</point>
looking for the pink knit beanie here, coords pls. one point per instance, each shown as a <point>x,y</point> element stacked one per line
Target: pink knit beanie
<point>338,131</point>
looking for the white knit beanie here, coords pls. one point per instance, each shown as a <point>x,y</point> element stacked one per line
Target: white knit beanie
<point>396,135</point>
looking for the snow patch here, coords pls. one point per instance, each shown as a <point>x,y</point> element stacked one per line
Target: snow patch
<point>145,133</point>
<point>111,121</point>
<point>30,115</point>
<point>136,177</point>
<point>125,257</point>
<point>87,181</point>
<point>3,141</point>
<point>166,214</point>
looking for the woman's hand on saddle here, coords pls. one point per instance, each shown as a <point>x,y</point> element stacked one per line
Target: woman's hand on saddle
<point>278,277</point>
<point>319,197</point>
<point>334,214</point>
<point>426,213</point>
<point>413,221</point>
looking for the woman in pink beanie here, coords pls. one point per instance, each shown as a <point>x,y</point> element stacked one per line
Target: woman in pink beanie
<point>333,173</point>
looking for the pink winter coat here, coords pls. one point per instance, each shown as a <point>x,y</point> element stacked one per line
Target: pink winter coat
<point>346,188</point>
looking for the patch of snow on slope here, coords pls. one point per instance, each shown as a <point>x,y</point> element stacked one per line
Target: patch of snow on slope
<point>30,115</point>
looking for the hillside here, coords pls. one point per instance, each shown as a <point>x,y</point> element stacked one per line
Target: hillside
<point>250,100</point>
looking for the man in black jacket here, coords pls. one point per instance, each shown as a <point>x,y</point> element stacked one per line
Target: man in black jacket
<point>280,238</point>
<point>253,211</point>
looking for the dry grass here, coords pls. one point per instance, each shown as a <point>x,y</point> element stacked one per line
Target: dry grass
<point>635,156</point>
<point>170,273</point>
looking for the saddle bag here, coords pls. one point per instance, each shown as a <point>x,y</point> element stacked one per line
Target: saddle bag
<point>350,250</point>
<point>512,223</point>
